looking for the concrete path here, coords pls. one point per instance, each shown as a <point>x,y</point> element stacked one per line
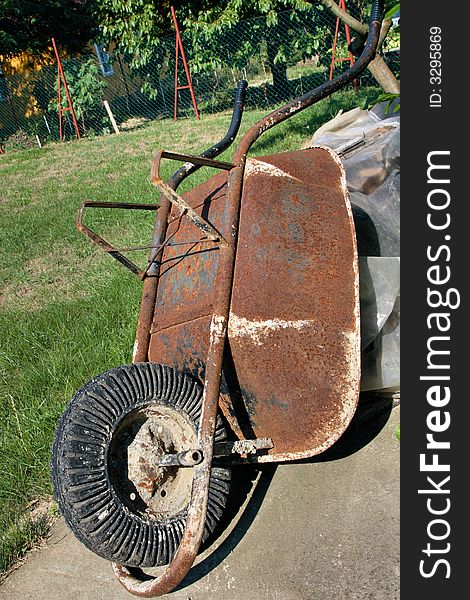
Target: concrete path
<point>321,530</point>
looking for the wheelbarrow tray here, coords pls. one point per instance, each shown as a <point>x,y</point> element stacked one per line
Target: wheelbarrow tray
<point>291,366</point>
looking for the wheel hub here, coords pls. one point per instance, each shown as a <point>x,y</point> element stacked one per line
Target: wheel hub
<point>147,433</point>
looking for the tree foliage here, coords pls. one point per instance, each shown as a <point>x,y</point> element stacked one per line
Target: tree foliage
<point>378,68</point>
<point>137,26</point>
<point>29,25</point>
<point>265,28</point>
<point>85,86</point>
<point>284,36</point>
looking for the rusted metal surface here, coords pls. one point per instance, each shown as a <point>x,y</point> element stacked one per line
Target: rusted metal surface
<point>188,548</point>
<point>186,283</point>
<point>293,331</point>
<point>242,447</point>
<point>294,321</point>
<point>202,161</point>
<point>149,292</point>
<point>186,458</point>
<point>197,509</point>
<point>208,230</point>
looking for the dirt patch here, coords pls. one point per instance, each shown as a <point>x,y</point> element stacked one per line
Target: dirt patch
<point>42,507</point>
<point>41,510</point>
<point>11,293</point>
<point>133,123</point>
<point>20,140</point>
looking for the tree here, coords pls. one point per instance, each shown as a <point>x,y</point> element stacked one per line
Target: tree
<point>86,88</point>
<point>136,26</point>
<point>211,26</point>
<point>279,31</point>
<point>29,25</point>
<point>285,35</point>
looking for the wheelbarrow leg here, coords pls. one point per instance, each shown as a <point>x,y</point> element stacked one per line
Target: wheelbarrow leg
<point>191,540</point>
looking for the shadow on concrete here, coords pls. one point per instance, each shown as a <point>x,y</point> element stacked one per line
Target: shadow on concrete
<point>241,477</point>
<point>370,418</point>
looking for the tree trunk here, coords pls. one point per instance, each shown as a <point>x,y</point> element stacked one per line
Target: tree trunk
<point>384,76</point>
<point>278,70</point>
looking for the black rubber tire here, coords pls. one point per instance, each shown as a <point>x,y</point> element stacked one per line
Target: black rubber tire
<point>80,476</point>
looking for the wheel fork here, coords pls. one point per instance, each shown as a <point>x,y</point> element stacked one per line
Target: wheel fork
<point>197,509</point>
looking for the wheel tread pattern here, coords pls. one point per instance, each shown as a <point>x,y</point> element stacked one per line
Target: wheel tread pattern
<point>82,487</point>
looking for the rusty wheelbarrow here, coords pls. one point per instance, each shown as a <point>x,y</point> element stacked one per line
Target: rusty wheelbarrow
<point>247,349</point>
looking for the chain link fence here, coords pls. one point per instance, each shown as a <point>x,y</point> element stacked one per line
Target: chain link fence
<point>280,57</point>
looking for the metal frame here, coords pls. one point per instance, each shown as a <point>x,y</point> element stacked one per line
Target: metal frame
<point>342,4</point>
<point>170,194</point>
<point>179,49</point>
<point>101,242</point>
<point>61,79</point>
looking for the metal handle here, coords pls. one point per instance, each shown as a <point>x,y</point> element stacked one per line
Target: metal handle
<point>189,167</point>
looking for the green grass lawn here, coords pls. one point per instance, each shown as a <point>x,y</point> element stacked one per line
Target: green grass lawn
<point>68,311</point>
<point>301,70</point>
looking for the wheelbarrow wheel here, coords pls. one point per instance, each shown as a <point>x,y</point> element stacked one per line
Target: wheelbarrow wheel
<point>112,495</point>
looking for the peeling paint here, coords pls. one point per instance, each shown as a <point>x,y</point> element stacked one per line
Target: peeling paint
<point>136,349</point>
<point>295,108</point>
<point>351,347</point>
<point>256,330</point>
<point>217,327</point>
<point>254,166</point>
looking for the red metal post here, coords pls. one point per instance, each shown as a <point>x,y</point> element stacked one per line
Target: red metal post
<point>179,48</point>
<point>175,112</point>
<point>61,79</point>
<point>59,104</point>
<point>2,151</point>
<point>342,4</point>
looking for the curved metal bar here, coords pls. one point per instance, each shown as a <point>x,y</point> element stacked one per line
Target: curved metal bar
<point>100,241</point>
<point>188,168</point>
<point>187,550</point>
<point>189,546</point>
